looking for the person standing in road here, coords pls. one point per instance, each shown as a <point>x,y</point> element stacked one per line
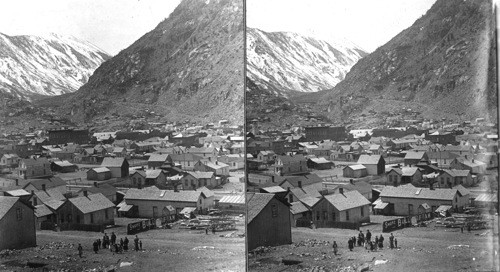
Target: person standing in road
<point>125,244</point>
<point>391,241</point>
<point>396,242</point>
<point>96,248</point>
<point>136,243</point>
<point>80,250</point>
<point>335,248</point>
<point>113,238</point>
<point>140,244</point>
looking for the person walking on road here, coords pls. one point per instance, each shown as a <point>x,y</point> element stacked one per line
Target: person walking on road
<point>96,248</point>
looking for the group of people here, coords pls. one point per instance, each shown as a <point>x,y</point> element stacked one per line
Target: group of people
<point>112,244</point>
<point>366,241</point>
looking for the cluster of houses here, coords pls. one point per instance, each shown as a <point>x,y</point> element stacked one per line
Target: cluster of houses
<point>141,177</point>
<point>389,172</point>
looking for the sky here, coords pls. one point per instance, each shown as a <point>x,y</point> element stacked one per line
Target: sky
<point>111,25</point>
<point>367,23</point>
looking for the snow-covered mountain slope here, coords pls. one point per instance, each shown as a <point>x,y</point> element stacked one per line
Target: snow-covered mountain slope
<point>283,61</point>
<point>51,65</point>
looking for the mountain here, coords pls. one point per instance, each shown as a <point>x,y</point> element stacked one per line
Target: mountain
<point>31,66</point>
<point>190,67</point>
<point>287,62</point>
<point>443,66</point>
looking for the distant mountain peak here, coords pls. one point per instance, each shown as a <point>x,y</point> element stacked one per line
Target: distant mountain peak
<point>33,65</point>
<point>288,62</point>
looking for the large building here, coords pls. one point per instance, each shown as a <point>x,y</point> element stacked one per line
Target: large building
<point>63,136</point>
<point>325,133</point>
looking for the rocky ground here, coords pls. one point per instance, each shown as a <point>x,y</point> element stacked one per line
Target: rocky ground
<point>163,250</point>
<point>429,248</point>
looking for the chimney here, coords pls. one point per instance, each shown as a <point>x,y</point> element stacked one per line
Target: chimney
<point>341,190</point>
<point>272,179</point>
<point>44,188</point>
<point>17,182</point>
<point>351,181</point>
<point>85,193</point>
<point>300,184</point>
<point>96,184</point>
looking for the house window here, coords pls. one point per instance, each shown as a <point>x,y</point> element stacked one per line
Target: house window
<point>334,218</point>
<point>91,218</point>
<point>274,210</point>
<point>155,211</point>
<point>106,215</point>
<point>325,215</point>
<point>70,218</point>
<point>362,211</point>
<point>19,214</point>
<point>346,215</point>
<point>290,198</point>
<point>318,216</point>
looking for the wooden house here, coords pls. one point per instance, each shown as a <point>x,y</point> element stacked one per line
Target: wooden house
<point>100,173</point>
<point>186,160</point>
<point>354,171</point>
<point>119,167</point>
<point>89,209</point>
<point>268,221</point>
<point>34,168</point>
<point>17,224</point>
<point>452,177</point>
<point>348,207</point>
<point>196,179</point>
<point>289,165</point>
<point>375,164</point>
<point>156,161</point>
<point>413,158</point>
<point>319,163</point>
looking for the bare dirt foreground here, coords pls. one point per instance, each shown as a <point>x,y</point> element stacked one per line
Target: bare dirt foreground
<point>163,250</point>
<point>431,248</point>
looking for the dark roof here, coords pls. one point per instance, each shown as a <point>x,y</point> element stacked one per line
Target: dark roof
<point>49,183</point>
<point>42,210</point>
<point>38,161</point>
<point>290,159</point>
<point>158,157</point>
<point>91,203</point>
<point>256,202</point>
<point>412,155</point>
<point>347,200</point>
<point>105,189</point>
<point>305,180</point>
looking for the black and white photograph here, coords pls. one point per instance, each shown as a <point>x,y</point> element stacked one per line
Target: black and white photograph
<point>373,133</point>
<point>122,135</point>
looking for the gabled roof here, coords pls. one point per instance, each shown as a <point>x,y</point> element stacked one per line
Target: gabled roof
<point>105,189</point>
<point>63,163</point>
<point>158,157</point>
<point>18,192</point>
<point>49,194</point>
<point>100,170</point>
<point>356,166</point>
<point>185,157</point>
<point>164,195</point>
<point>6,203</point>
<point>291,159</point>
<point>456,172</point>
<point>418,193</point>
<point>409,171</point>
<point>298,207</point>
<point>347,200</point>
<point>38,161</point>
<point>233,199</point>
<point>294,180</point>
<point>412,155</point>
<point>207,192</point>
<point>216,165</point>
<point>113,162</point>
<point>369,159</point>
<point>153,173</point>
<point>256,202</point>
<point>320,160</point>
<point>49,183</point>
<point>201,175</point>
<point>274,189</point>
<point>42,210</point>
<point>309,201</point>
<point>91,203</point>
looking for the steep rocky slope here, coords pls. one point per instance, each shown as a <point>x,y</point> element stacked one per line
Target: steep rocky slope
<point>31,66</point>
<point>443,66</point>
<point>190,67</point>
<point>285,62</point>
